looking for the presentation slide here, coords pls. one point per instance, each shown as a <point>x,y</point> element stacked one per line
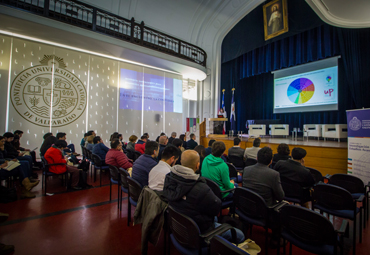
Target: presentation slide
<point>315,90</point>
<point>149,92</point>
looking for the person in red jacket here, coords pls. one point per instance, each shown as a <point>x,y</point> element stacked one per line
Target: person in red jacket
<point>116,157</point>
<point>54,155</point>
<point>140,145</point>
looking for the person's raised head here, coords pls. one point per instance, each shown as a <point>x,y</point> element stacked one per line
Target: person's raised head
<point>163,140</point>
<point>18,133</point>
<point>190,159</point>
<point>91,132</point>
<point>177,142</point>
<point>257,142</point>
<point>211,142</point>
<point>298,153</point>
<point>218,148</point>
<point>90,139</point>
<point>182,137</point>
<point>116,144</point>
<point>96,139</point>
<point>47,135</point>
<point>162,134</point>
<point>173,134</point>
<point>283,149</point>
<point>8,135</point>
<point>61,136</point>
<point>236,141</point>
<point>144,138</point>
<point>264,156</point>
<point>60,144</point>
<point>147,135</point>
<point>86,135</point>
<point>133,138</point>
<point>192,136</point>
<point>201,150</point>
<point>170,154</point>
<point>151,148</point>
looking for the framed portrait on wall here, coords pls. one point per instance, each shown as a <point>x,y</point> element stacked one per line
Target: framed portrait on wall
<point>275,18</point>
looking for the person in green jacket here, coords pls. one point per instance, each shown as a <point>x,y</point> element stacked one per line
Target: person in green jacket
<point>215,168</point>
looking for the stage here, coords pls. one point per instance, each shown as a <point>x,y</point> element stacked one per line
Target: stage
<point>329,157</point>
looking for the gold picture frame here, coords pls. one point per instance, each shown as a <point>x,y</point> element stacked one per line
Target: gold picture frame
<point>275,18</point>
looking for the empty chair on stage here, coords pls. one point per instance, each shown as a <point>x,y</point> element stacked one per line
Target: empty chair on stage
<point>279,129</point>
<point>312,130</point>
<point>336,131</point>
<point>257,130</point>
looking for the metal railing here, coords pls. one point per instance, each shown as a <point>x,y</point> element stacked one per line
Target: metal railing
<point>89,17</point>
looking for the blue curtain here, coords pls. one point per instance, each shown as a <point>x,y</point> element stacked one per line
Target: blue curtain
<point>251,74</point>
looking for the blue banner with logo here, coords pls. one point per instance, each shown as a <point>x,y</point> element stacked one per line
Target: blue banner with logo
<point>358,122</point>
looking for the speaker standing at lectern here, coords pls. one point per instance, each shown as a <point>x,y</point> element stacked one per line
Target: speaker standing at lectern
<point>222,113</point>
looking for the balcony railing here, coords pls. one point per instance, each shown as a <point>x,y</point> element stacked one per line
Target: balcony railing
<point>89,17</point>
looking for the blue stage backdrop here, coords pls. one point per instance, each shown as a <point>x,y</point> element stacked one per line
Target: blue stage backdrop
<point>250,72</point>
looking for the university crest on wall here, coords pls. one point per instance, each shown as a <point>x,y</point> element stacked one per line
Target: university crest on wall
<point>48,94</point>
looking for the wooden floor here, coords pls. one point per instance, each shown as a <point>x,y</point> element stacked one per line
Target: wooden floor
<point>329,157</point>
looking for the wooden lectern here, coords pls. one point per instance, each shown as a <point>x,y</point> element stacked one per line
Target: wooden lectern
<point>216,126</point>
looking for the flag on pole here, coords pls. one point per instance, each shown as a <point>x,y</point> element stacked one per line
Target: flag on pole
<point>223,107</point>
<point>232,114</point>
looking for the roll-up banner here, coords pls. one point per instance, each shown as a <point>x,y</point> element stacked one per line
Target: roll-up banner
<point>358,122</point>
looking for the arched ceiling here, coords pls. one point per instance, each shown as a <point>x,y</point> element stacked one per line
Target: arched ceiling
<point>343,13</point>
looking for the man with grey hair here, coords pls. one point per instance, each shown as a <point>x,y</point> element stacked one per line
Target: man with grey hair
<point>173,136</point>
<point>163,140</point>
<point>251,152</point>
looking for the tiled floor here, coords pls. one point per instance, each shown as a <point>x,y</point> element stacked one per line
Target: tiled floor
<point>86,222</point>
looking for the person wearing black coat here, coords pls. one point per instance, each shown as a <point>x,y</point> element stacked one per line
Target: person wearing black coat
<point>189,194</point>
<point>191,144</point>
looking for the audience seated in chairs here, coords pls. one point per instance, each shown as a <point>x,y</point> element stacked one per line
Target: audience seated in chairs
<point>145,163</point>
<point>251,152</point>
<point>83,140</point>
<point>140,145</point>
<point>90,132</point>
<point>215,169</point>
<point>48,142</point>
<point>157,140</point>
<point>18,147</point>
<point>70,148</point>
<point>163,140</point>
<point>116,157</point>
<point>209,148</point>
<point>22,171</point>
<point>173,137</point>
<point>158,173</point>
<point>294,170</point>
<point>283,153</point>
<point>183,139</point>
<point>90,142</point>
<point>54,155</point>
<point>202,154</point>
<point>178,144</point>
<point>131,144</point>
<point>191,144</point>
<point>189,194</point>
<point>265,182</point>
<point>99,148</point>
<point>236,154</point>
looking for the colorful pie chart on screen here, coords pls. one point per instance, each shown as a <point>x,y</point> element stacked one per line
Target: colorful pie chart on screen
<point>300,91</point>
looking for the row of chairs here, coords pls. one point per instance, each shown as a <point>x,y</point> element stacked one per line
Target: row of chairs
<point>95,162</point>
<point>338,198</point>
<point>304,228</point>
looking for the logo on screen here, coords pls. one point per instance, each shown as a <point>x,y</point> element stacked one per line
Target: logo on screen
<point>328,92</point>
<point>354,124</point>
<point>328,79</point>
<point>48,94</point>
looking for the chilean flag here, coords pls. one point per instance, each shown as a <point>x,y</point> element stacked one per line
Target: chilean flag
<point>223,107</point>
<point>232,114</point>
